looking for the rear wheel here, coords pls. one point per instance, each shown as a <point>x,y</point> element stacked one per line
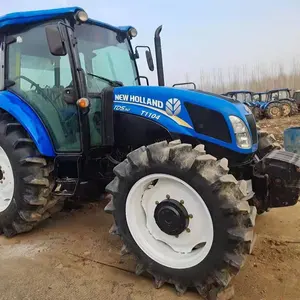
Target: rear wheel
<point>295,109</point>
<point>274,111</point>
<point>183,217</point>
<point>26,181</point>
<point>287,108</point>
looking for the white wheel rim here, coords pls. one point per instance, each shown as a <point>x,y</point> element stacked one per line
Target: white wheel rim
<point>6,181</point>
<point>170,251</point>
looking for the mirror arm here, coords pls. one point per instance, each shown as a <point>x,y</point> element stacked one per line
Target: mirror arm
<point>136,52</point>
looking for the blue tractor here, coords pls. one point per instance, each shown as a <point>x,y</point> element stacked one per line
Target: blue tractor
<point>259,99</point>
<point>277,103</point>
<point>186,170</point>
<point>246,97</point>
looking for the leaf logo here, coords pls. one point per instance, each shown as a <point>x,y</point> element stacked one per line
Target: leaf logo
<point>173,107</point>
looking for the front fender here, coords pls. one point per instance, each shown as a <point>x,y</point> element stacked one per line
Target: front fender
<point>27,117</point>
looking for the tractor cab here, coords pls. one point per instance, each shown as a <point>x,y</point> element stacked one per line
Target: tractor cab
<point>60,65</point>
<point>59,62</point>
<point>278,94</point>
<point>260,97</point>
<point>241,95</point>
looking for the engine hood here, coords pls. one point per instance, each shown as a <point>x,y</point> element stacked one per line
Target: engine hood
<point>171,101</point>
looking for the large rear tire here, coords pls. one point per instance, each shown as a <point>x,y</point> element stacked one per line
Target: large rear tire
<point>287,108</point>
<point>26,181</point>
<point>274,110</point>
<point>182,216</point>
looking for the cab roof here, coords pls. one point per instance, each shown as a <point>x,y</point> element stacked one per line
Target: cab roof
<point>278,90</point>
<point>239,91</point>
<point>30,17</point>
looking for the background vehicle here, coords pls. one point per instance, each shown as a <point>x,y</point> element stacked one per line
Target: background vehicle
<point>283,97</point>
<point>246,97</point>
<point>187,169</point>
<point>296,97</point>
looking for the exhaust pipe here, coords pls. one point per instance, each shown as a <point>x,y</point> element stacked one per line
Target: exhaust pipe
<point>159,59</point>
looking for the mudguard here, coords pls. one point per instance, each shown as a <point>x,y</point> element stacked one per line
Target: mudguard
<point>26,116</point>
<point>166,106</point>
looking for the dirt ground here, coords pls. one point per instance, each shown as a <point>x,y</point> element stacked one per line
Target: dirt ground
<point>72,256</point>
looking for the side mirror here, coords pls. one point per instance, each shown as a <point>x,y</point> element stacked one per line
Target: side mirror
<point>148,56</point>
<point>149,60</point>
<point>55,41</point>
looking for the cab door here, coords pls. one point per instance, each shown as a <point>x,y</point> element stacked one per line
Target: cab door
<point>42,80</point>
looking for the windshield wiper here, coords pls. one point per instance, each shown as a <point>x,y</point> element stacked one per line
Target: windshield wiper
<point>111,82</point>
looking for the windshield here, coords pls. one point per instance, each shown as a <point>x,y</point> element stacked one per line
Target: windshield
<point>242,96</point>
<point>260,97</point>
<point>279,95</point>
<point>104,53</point>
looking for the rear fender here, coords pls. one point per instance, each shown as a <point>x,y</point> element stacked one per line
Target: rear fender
<point>27,117</point>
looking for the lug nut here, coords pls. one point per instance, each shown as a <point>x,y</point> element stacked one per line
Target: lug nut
<point>181,202</point>
<point>188,230</point>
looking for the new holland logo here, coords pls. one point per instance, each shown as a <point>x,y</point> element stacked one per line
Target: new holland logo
<point>173,107</point>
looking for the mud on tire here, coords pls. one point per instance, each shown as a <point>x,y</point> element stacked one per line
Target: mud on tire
<point>225,197</point>
<point>288,108</point>
<point>33,180</point>
<point>274,110</point>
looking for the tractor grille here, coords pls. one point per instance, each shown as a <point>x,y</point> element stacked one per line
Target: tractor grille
<point>252,125</point>
<point>208,122</point>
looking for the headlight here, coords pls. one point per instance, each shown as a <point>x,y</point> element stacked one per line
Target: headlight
<point>132,32</point>
<point>243,138</point>
<point>81,16</point>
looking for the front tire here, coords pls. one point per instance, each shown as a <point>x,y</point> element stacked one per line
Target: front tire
<point>206,245</point>
<point>28,177</point>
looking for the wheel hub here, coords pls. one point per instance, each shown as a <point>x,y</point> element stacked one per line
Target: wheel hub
<point>171,217</point>
<point>6,181</point>
<point>275,111</point>
<point>1,174</point>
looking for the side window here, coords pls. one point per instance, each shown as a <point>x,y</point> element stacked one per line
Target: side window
<point>40,79</point>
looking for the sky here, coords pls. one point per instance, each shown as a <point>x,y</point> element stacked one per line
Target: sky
<point>197,34</point>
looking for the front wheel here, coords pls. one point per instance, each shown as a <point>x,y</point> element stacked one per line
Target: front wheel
<point>183,217</point>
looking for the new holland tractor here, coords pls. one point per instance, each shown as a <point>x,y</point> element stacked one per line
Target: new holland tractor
<point>187,170</point>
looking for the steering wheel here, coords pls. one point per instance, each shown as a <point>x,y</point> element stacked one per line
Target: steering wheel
<point>38,89</point>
